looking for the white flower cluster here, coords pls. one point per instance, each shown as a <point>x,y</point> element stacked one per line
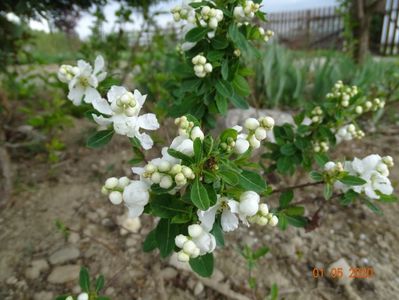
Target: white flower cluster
<point>133,193</point>
<point>343,93</point>
<point>201,67</point>
<point>245,12</point>
<point>316,115</point>
<point>265,34</point>
<point>348,133</point>
<point>264,217</point>
<point>210,17</point>
<point>165,173</point>
<point>320,146</point>
<point>374,105</point>
<point>183,12</point>
<point>246,209</point>
<point>374,169</point>
<point>256,132</point>
<point>82,296</point>
<point>121,109</point>
<point>198,242</point>
<point>83,80</point>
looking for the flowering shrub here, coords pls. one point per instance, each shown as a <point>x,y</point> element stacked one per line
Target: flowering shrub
<point>201,186</point>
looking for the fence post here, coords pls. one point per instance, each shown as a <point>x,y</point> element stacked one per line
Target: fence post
<point>308,21</point>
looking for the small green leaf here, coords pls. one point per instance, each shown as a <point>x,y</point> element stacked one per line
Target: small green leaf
<point>288,149</point>
<point>321,159</point>
<point>239,101</point>
<point>328,190</point>
<point>218,234</point>
<point>176,154</point>
<point>262,251</point>
<point>297,221</point>
<point>100,138</point>
<point>165,234</point>
<point>316,176</point>
<point>150,242</point>
<point>199,195</point>
<point>219,42</point>
<point>352,180</point>
<point>221,103</point>
<point>84,279</point>
<point>224,88</point>
<point>203,265</point>
<point>372,206</point>
<point>197,150</point>
<point>286,198</point>
<point>196,34</point>
<point>252,181</point>
<point>100,283</point>
<point>225,69</point>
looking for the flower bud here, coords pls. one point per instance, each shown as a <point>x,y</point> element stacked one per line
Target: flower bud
<point>130,111</point>
<point>260,133</point>
<point>213,23</point>
<point>262,221</point>
<point>195,230</point>
<point>180,240</point>
<point>182,256</point>
<point>176,17</point>
<point>251,123</point>
<point>368,104</point>
<point>273,221</point>
<point>237,52</point>
<point>202,60</point>
<point>254,142</point>
<point>104,190</point>
<point>267,122</point>
<point>241,146</point>
<point>351,128</point>
<point>359,109</point>
<point>187,172</point>
<point>205,10</point>
<point>164,166</point>
<point>123,182</point>
<point>196,253</point>
<point>261,31</point>
<point>329,166</point>
<point>264,209</point>
<point>208,68</point>
<point>83,296</point>
<point>176,169</point>
<point>198,68</point>
<point>195,60</point>
<point>196,132</point>
<point>111,183</point>
<point>180,177</point>
<point>315,119</point>
<point>189,247</point>
<point>249,203</point>
<point>388,160</point>
<point>150,168</point>
<point>345,103</point>
<point>115,197</point>
<point>166,182</point>
<point>156,177</point>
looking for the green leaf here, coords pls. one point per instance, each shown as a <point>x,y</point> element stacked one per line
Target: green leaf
<point>196,34</point>
<point>150,242</point>
<point>224,88</point>
<point>218,233</point>
<point>273,292</point>
<point>297,221</point>
<point>219,42</point>
<point>176,154</point>
<point>229,175</point>
<point>197,150</point>
<point>328,190</point>
<point>286,198</point>
<point>288,149</point>
<point>100,138</point>
<point>372,206</point>
<point>225,69</point>
<point>202,265</point>
<point>352,180</point>
<point>239,101</point>
<point>221,103</point>
<point>215,55</point>
<point>262,251</point>
<point>316,176</point>
<point>228,133</point>
<point>321,159</point>
<point>294,211</point>
<point>241,86</point>
<point>100,283</point>
<point>84,279</point>
<point>166,206</point>
<point>165,234</point>
<point>282,221</point>
<point>199,195</point>
<point>252,181</point>
<point>348,197</point>
<point>387,198</point>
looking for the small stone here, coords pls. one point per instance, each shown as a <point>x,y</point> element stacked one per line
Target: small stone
<point>43,295</point>
<point>199,288</point>
<point>169,273</point>
<point>288,249</point>
<point>37,266</point>
<point>64,255</point>
<point>338,265</point>
<point>74,238</point>
<point>131,242</point>
<point>63,274</point>
<point>12,280</point>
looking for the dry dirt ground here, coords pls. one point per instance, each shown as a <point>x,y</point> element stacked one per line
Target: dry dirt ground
<point>38,262</point>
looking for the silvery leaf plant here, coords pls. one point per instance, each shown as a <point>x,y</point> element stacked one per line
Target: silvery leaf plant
<point>201,186</point>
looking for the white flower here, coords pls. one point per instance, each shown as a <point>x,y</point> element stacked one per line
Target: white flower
<point>241,146</point>
<point>136,196</point>
<point>183,144</point>
<point>206,242</point>
<point>249,204</point>
<point>196,132</point>
<point>227,208</point>
<point>84,84</point>
<point>123,109</point>
<point>83,296</point>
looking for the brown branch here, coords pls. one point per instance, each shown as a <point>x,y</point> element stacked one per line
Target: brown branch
<point>296,187</point>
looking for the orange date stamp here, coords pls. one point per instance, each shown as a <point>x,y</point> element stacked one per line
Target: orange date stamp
<point>337,273</point>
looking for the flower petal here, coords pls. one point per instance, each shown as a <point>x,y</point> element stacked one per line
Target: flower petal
<point>91,94</point>
<point>98,64</point>
<point>139,97</point>
<point>145,140</point>
<point>76,94</point>
<point>207,217</point>
<point>102,106</point>
<point>100,120</point>
<point>148,122</point>
<point>229,221</point>
<point>115,92</point>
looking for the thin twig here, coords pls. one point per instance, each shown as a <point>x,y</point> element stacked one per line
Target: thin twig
<point>296,187</point>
